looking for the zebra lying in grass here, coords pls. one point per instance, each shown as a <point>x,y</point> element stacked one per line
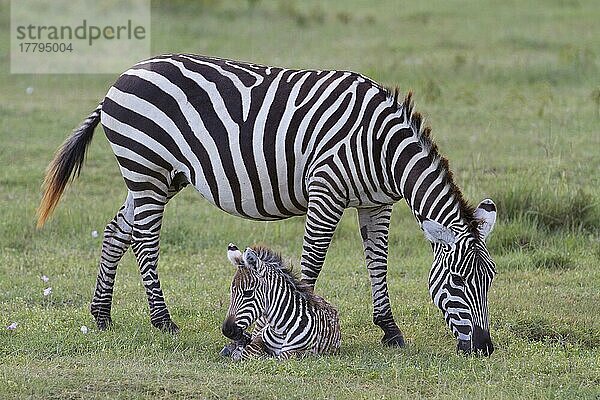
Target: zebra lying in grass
<point>290,319</point>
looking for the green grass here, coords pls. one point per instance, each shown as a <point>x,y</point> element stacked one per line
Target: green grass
<point>510,89</point>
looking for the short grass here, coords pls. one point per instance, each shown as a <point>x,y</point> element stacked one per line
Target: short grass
<point>512,92</point>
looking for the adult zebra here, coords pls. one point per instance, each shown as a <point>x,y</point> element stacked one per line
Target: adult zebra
<point>269,143</point>
<point>290,319</point>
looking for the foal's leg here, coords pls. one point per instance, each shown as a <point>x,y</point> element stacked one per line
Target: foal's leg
<point>255,349</point>
<point>238,345</point>
<point>117,238</point>
<point>374,228</point>
<point>288,355</point>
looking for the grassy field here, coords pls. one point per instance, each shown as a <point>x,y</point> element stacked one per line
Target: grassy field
<point>511,90</point>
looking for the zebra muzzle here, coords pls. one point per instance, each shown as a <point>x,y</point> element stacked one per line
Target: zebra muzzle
<point>231,330</point>
<point>481,343</point>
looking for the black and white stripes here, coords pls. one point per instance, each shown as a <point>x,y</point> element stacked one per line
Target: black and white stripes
<point>269,143</point>
<point>290,319</point>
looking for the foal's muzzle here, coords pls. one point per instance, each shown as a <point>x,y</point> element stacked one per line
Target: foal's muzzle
<point>231,330</point>
<point>480,343</point>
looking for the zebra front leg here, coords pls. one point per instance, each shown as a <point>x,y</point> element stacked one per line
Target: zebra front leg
<point>148,213</point>
<point>322,217</point>
<point>116,241</point>
<point>255,349</point>
<point>374,227</point>
<point>236,345</point>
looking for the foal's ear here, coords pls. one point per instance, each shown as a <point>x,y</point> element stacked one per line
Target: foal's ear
<point>252,262</point>
<point>234,254</point>
<point>485,213</point>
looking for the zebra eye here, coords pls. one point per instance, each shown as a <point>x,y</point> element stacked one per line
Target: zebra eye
<point>458,280</point>
<point>248,293</point>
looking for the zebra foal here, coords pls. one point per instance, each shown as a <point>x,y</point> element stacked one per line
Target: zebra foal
<point>291,320</point>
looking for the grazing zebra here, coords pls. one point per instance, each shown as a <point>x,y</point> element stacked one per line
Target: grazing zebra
<point>290,319</point>
<point>269,143</point>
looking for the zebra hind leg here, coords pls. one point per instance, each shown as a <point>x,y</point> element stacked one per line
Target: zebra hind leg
<point>374,227</point>
<point>148,213</point>
<point>116,241</point>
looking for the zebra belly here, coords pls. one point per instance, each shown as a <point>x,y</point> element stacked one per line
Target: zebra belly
<point>247,206</point>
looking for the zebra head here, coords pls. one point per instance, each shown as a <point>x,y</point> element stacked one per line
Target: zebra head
<point>247,292</point>
<point>461,276</point>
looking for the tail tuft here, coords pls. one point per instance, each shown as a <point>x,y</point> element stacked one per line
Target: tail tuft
<point>66,165</point>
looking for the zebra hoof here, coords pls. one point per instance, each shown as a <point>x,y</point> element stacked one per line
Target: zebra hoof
<point>235,348</point>
<point>167,326</point>
<point>236,354</point>
<point>227,350</point>
<point>393,340</point>
<point>103,323</point>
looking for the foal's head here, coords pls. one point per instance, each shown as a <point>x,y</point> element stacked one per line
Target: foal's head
<point>247,291</point>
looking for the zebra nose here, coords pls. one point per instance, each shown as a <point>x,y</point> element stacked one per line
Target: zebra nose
<point>482,342</point>
<point>463,346</point>
<point>230,329</point>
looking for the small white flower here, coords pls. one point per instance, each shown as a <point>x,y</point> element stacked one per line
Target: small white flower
<point>84,329</point>
<point>45,278</point>
<point>47,291</point>
<point>12,326</point>
<point>29,90</point>
<point>94,234</point>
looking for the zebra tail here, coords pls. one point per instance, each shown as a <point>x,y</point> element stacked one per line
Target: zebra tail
<point>66,165</point>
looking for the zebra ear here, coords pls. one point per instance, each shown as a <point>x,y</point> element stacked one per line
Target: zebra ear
<point>251,261</point>
<point>486,214</point>
<point>437,233</point>
<point>234,254</point>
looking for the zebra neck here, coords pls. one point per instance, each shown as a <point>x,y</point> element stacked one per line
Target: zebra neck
<point>280,303</point>
<point>422,177</point>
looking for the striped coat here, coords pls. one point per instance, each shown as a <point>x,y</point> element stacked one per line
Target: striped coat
<point>290,319</point>
<point>268,143</point>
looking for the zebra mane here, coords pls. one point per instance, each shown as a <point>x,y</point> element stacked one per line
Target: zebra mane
<point>274,260</point>
<point>423,133</point>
